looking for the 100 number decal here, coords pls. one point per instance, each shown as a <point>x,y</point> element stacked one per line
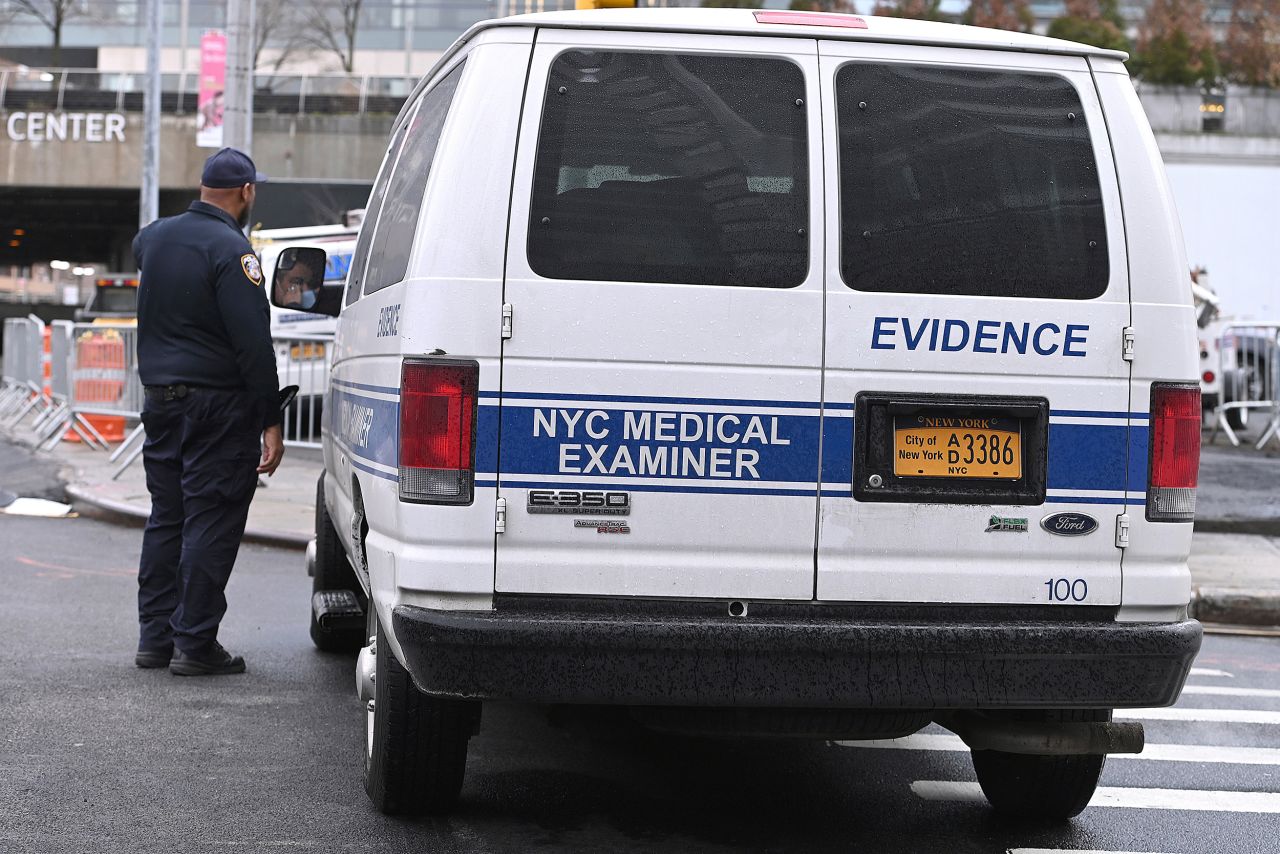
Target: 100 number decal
<point>1067,589</point>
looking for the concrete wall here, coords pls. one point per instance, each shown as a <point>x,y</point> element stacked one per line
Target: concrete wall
<point>1171,109</point>
<point>1253,112</point>
<point>1176,109</point>
<point>314,147</point>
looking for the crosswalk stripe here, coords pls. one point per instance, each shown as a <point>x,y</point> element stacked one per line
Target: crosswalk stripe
<point>1199,800</point>
<point>1209,671</point>
<point>1221,716</point>
<point>1227,691</point>
<point>1151,753</point>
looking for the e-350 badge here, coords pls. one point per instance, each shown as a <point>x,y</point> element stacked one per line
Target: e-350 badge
<point>595,502</point>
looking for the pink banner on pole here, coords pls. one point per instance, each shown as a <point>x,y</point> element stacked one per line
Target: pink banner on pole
<point>213,77</point>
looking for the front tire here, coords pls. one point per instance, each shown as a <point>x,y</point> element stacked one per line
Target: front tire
<point>416,744</point>
<point>1041,788</point>
<point>333,572</point>
<point>1244,385</point>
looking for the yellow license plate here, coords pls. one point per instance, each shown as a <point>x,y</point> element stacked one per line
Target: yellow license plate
<point>307,350</point>
<point>951,446</point>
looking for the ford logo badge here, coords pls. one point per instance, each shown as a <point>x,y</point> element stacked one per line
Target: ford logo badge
<point>1069,524</point>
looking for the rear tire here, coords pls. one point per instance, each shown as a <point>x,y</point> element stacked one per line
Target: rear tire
<point>1041,788</point>
<point>333,572</point>
<point>1242,385</point>
<point>417,744</point>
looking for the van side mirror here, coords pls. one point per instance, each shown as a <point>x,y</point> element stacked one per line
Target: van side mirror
<point>298,282</point>
<point>1208,311</point>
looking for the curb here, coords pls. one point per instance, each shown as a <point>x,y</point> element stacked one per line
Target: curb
<point>280,539</point>
<point>1262,527</point>
<point>1235,606</point>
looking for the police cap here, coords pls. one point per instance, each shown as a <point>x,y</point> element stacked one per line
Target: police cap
<point>230,167</point>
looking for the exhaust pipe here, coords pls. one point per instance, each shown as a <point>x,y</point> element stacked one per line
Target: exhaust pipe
<point>1045,738</point>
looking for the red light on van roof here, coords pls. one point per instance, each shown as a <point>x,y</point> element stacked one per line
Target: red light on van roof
<point>812,19</point>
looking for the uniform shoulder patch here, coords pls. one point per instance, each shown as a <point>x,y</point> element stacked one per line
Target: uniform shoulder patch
<point>252,267</point>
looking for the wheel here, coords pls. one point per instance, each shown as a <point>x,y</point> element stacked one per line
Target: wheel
<point>1238,419</point>
<point>333,572</point>
<point>1246,384</point>
<point>416,745</point>
<point>1052,788</point>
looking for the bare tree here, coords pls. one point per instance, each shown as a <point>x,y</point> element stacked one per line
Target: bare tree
<point>1000,15</point>
<point>278,27</point>
<point>53,14</point>
<point>1252,54</point>
<point>332,27</point>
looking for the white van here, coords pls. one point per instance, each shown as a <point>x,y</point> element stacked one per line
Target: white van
<point>767,373</point>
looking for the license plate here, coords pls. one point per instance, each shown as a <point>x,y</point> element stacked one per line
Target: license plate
<point>928,445</point>
<point>307,350</point>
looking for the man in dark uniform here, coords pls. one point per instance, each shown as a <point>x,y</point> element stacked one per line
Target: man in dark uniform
<point>206,360</point>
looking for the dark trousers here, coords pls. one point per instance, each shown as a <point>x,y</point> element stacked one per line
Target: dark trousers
<point>201,456</point>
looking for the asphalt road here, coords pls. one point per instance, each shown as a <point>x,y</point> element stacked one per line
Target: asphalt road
<point>96,755</point>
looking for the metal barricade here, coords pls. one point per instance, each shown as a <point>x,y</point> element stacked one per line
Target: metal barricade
<point>1249,378</point>
<point>303,360</point>
<point>26,391</point>
<point>104,392</point>
<point>61,416</point>
<point>14,391</point>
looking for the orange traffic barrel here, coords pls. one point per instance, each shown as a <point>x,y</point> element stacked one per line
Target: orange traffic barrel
<point>99,379</point>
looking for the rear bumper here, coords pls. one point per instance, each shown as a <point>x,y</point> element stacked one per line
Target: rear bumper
<point>601,654</point>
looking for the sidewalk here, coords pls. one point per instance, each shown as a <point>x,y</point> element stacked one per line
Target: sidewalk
<point>1235,556</point>
<point>282,512</point>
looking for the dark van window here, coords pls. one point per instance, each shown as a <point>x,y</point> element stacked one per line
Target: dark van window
<point>389,257</point>
<point>658,167</point>
<point>958,181</point>
<point>360,257</point>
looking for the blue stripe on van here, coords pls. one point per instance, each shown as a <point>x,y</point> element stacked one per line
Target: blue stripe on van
<point>1085,457</point>
<point>365,387</point>
<point>689,401</point>
<point>1139,453</point>
<point>1094,413</point>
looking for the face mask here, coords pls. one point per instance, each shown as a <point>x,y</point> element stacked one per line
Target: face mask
<point>308,299</point>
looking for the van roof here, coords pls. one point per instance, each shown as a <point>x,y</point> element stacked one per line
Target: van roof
<point>744,22</point>
<point>822,25</point>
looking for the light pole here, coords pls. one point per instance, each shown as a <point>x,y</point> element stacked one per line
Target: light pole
<point>149,203</point>
<point>237,127</point>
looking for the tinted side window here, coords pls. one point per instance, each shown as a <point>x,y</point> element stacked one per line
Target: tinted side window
<point>389,258</point>
<point>360,258</point>
<point>957,181</point>
<point>656,167</point>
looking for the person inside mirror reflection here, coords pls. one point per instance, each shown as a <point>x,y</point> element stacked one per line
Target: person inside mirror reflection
<point>299,286</point>
<point>211,413</point>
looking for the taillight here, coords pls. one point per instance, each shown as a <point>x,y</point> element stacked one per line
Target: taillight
<point>438,431</point>
<point>1175,452</point>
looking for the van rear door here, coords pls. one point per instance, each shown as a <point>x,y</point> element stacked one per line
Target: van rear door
<point>977,301</point>
<point>660,403</point>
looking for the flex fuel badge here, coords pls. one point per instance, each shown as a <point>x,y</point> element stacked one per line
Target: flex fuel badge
<point>1007,523</point>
